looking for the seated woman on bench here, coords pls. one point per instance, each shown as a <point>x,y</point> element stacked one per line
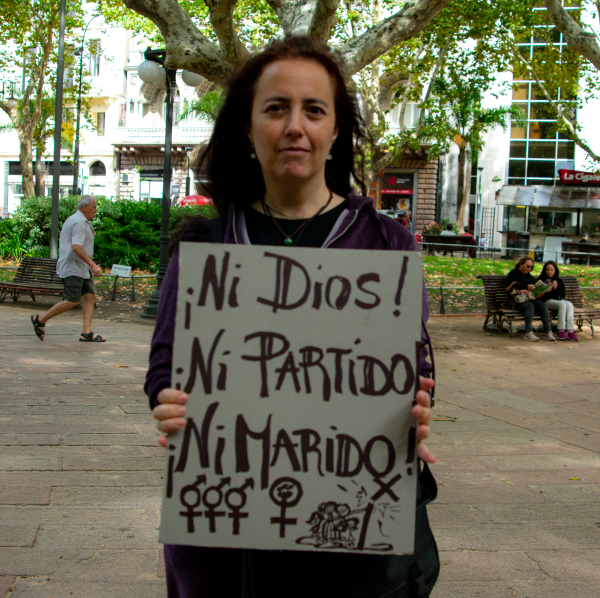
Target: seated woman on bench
<point>520,279</point>
<point>554,298</point>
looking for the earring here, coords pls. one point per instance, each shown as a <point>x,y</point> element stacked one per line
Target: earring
<point>329,156</point>
<point>252,153</point>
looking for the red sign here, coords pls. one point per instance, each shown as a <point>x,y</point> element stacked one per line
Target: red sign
<point>578,177</point>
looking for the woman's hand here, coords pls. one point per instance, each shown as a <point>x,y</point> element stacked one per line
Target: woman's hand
<point>554,284</point>
<point>170,413</point>
<point>422,412</point>
<point>530,287</point>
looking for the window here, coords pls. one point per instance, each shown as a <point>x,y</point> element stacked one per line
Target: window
<point>97,169</point>
<point>100,123</point>
<point>95,57</point>
<point>122,114</point>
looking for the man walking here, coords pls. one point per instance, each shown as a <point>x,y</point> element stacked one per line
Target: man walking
<point>74,267</point>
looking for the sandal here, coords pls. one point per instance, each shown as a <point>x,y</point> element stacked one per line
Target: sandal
<point>38,327</point>
<point>90,338</point>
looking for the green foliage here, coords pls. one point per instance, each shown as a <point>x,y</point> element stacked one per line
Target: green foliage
<point>10,242</point>
<point>126,231</point>
<point>207,107</point>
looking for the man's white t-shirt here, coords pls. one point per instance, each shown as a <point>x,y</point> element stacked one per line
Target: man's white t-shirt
<point>76,231</point>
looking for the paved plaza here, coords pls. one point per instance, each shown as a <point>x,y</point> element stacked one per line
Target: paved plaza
<point>517,436</point>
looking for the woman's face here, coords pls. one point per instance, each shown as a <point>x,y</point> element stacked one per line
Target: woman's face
<point>527,267</point>
<point>550,270</point>
<point>293,121</point>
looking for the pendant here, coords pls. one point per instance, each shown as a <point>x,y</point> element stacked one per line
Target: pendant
<point>287,241</point>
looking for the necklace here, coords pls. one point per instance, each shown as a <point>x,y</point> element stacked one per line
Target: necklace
<point>289,239</point>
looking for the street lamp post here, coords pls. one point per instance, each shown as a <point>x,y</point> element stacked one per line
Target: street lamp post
<point>60,66</point>
<point>79,52</point>
<point>478,205</point>
<point>11,102</point>
<point>150,71</point>
<point>188,151</point>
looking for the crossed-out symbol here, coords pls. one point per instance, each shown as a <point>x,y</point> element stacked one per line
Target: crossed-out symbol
<point>285,493</point>
<point>235,498</point>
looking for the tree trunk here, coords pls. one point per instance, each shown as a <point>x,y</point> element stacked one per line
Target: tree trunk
<point>40,174</point>
<point>464,185</point>
<point>26,160</point>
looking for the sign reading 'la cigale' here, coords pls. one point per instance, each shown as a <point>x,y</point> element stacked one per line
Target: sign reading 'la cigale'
<point>301,367</point>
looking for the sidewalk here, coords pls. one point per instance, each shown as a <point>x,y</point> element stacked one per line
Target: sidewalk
<point>80,470</point>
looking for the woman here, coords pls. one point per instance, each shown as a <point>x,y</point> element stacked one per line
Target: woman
<point>290,131</point>
<point>520,279</point>
<point>554,298</point>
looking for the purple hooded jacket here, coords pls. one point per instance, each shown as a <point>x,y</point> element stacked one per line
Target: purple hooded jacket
<point>196,572</point>
<point>358,227</point>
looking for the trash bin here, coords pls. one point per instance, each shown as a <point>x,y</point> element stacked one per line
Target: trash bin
<point>521,244</point>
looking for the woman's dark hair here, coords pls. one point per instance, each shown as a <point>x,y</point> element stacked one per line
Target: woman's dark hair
<point>522,261</point>
<point>233,176</point>
<point>448,227</point>
<point>543,274</point>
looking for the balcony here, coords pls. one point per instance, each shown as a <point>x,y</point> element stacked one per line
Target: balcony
<point>156,135</point>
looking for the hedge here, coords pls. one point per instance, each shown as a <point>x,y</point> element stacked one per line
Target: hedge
<point>127,232</point>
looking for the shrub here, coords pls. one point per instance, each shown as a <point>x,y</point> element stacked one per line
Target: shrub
<point>127,232</point>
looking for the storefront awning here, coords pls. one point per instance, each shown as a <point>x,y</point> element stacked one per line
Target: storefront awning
<point>550,197</point>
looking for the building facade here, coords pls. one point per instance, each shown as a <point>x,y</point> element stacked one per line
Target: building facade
<point>122,148</point>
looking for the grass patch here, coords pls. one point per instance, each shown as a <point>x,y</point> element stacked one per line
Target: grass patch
<point>438,271</point>
<point>462,272</point>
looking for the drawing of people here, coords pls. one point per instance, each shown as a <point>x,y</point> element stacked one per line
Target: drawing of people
<point>327,527</point>
<point>315,521</point>
<point>352,526</point>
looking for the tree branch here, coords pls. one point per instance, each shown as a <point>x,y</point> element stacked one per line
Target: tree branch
<point>323,19</point>
<point>186,47</point>
<point>221,18</point>
<point>295,16</point>
<point>581,41</point>
<point>556,107</point>
<point>401,26</point>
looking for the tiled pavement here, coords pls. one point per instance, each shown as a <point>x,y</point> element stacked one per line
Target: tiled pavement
<point>517,438</point>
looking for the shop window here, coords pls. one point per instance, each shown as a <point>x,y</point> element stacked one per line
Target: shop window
<point>100,116</point>
<point>542,149</point>
<point>531,181</point>
<point>94,65</point>
<point>518,149</point>
<point>541,111</point>
<point>521,91</point>
<point>515,181</point>
<point>542,130</point>
<point>516,168</point>
<point>97,169</point>
<point>514,219</point>
<point>517,132</point>
<point>541,169</point>
<point>566,151</point>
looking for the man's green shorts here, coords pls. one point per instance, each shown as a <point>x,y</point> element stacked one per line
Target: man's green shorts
<point>76,286</point>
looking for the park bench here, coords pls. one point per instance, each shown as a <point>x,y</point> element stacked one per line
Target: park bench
<point>35,276</point>
<point>581,251</point>
<point>496,296</point>
<point>435,243</point>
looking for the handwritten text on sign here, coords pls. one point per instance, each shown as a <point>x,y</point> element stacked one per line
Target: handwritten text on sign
<point>301,366</point>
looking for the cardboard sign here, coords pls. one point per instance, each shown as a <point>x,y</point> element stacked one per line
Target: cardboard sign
<point>118,270</point>
<point>301,367</point>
